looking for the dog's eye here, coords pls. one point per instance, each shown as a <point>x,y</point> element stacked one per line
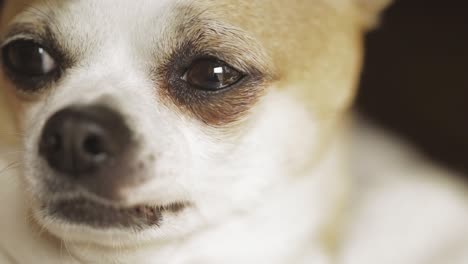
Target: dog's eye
<point>211,75</point>
<point>28,59</point>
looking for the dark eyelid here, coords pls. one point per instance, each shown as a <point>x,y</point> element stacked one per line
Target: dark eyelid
<point>210,53</point>
<point>27,30</point>
<point>220,60</point>
<point>24,37</point>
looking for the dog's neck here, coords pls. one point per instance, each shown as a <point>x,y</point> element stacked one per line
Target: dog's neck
<point>293,224</point>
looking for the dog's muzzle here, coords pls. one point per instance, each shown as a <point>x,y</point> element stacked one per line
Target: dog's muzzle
<point>91,155</point>
<point>89,146</point>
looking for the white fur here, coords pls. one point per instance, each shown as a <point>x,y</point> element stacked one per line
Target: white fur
<point>261,196</point>
<point>407,209</point>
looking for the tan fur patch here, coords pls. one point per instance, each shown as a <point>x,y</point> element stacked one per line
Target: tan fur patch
<point>315,46</point>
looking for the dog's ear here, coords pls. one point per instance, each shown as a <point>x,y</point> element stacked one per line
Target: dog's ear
<point>370,11</point>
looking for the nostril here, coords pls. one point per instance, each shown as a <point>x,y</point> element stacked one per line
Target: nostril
<point>93,145</point>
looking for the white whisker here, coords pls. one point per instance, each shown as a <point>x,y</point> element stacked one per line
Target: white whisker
<point>11,165</point>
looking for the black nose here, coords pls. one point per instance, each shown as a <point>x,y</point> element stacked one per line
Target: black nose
<point>83,140</point>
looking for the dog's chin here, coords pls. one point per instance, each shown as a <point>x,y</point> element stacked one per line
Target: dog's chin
<point>88,221</point>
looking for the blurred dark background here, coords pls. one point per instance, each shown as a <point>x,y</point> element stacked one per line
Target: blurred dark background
<point>415,80</point>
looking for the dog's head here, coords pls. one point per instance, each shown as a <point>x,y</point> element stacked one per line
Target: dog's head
<point>151,118</point>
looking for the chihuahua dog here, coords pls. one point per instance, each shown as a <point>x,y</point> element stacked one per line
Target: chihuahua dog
<point>203,131</point>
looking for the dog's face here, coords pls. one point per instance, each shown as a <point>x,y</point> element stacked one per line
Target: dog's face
<point>143,120</point>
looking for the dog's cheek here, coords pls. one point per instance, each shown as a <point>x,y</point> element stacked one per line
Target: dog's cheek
<point>11,111</point>
<point>276,143</point>
<point>283,127</point>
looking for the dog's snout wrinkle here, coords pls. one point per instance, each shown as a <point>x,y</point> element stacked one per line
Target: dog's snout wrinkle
<point>88,145</point>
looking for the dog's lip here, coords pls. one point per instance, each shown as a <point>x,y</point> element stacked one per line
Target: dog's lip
<point>83,211</point>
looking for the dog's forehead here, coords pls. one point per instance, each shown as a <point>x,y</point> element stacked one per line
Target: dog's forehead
<point>85,25</point>
<point>91,20</point>
<point>244,12</point>
<point>300,26</point>
<point>313,45</point>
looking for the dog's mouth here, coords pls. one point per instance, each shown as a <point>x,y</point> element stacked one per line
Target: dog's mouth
<point>83,211</point>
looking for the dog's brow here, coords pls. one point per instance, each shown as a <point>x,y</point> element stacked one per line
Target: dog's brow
<point>225,41</point>
<point>37,31</point>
